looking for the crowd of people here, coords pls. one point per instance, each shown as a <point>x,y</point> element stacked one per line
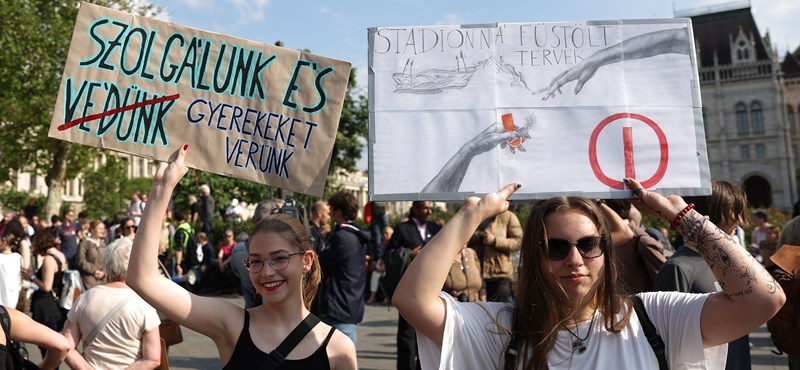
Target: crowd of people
<point>481,291</point>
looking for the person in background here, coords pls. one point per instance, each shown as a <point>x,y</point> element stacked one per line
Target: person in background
<point>10,268</point>
<point>341,294</point>
<point>67,232</point>
<point>83,225</point>
<point>464,280</point>
<point>379,267</point>
<point>407,242</point>
<point>769,245</point>
<point>127,228</point>
<point>135,208</point>
<point>194,210</point>
<point>320,216</point>
<point>639,255</point>
<point>224,258</point>
<point>91,251</point>
<point>118,329</point>
<point>26,225</point>
<point>762,229</point>
<point>234,213</point>
<point>44,304</point>
<point>495,242</point>
<point>207,209</point>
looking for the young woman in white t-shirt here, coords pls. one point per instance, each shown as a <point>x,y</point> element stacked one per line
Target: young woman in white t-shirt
<point>570,311</point>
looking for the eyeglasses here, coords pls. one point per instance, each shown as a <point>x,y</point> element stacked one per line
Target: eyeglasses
<point>588,247</point>
<point>130,227</point>
<point>278,261</point>
<point>229,236</point>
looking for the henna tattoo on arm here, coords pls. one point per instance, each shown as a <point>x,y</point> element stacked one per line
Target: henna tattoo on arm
<point>737,272</point>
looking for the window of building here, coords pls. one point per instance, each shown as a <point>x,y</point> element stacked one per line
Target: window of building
<point>741,119</point>
<point>757,118</point>
<point>741,48</point>
<point>790,120</point>
<point>794,153</point>
<point>744,151</point>
<point>761,151</point>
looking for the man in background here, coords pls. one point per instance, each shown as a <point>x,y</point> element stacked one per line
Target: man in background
<point>344,276</point>
<point>320,215</point>
<point>407,241</point>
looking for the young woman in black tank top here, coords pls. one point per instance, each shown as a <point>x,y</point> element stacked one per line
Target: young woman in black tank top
<point>284,270</point>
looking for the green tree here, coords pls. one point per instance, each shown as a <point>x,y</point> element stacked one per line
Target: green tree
<point>35,37</point>
<point>353,130</point>
<point>104,188</point>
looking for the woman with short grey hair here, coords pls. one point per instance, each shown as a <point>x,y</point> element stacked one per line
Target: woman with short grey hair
<point>118,329</point>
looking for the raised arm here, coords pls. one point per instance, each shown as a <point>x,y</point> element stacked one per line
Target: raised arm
<point>417,294</point>
<point>24,329</point>
<point>207,316</point>
<point>749,297</point>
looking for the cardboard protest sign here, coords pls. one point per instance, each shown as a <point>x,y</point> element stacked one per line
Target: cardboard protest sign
<point>564,108</point>
<point>248,110</point>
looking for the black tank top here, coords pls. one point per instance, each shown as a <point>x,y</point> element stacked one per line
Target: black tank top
<point>247,356</point>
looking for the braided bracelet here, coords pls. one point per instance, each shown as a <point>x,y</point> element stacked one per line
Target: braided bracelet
<point>696,226</point>
<point>680,216</point>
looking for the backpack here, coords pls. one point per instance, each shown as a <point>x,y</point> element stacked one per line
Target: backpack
<point>785,325</point>
<point>191,246</point>
<point>18,353</point>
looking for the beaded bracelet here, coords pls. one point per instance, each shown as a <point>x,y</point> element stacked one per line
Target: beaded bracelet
<point>696,226</point>
<point>680,216</point>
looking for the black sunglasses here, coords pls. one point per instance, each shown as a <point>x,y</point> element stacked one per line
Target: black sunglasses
<point>588,247</point>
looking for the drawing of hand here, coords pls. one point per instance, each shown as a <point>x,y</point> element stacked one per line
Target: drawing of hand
<point>452,174</point>
<point>491,137</point>
<point>582,72</point>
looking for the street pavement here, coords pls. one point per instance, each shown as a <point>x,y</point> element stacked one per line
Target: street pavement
<point>376,345</point>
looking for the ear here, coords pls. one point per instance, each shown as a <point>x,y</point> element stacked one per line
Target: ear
<point>308,260</point>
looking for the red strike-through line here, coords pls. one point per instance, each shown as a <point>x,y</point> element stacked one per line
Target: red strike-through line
<point>93,117</point>
<point>627,140</point>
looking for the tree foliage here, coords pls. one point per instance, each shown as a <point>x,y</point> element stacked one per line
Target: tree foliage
<point>35,37</point>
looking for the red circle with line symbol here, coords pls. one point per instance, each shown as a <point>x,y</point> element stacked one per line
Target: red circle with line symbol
<point>662,143</point>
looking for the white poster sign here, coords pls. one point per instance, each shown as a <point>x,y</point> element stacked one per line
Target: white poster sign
<point>564,108</point>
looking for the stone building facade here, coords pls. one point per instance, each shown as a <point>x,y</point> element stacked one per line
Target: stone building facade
<point>744,92</point>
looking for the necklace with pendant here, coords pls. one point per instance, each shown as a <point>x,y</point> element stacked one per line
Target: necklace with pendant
<point>578,343</point>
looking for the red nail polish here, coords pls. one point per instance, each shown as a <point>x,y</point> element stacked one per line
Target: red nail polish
<point>185,146</point>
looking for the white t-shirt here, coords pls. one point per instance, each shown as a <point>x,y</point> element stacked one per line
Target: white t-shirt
<point>471,340</point>
<point>10,279</point>
<point>119,343</point>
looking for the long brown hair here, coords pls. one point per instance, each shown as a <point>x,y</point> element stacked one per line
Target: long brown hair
<point>293,231</point>
<point>540,309</point>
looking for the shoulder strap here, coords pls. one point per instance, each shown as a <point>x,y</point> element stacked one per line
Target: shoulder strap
<point>58,263</point>
<point>512,350</point>
<point>105,321</point>
<point>277,356</point>
<point>5,320</point>
<point>651,333</point>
